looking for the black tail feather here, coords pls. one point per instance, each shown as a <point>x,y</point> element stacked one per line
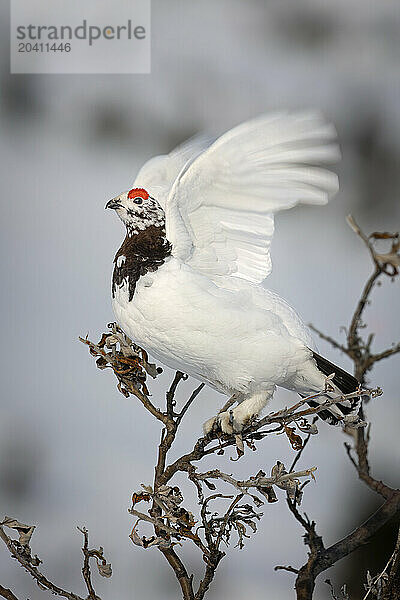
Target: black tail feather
<point>342,380</point>
<point>325,415</point>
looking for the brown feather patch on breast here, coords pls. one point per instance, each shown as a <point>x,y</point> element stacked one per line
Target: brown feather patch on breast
<point>139,254</point>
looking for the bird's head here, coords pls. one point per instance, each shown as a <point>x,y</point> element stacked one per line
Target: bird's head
<point>137,210</point>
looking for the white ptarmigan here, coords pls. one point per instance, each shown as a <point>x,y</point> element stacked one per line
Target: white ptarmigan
<point>187,279</point>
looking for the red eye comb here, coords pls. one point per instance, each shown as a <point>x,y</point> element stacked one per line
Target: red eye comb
<point>135,192</point>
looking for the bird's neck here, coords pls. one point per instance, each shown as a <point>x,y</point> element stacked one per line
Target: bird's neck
<point>139,253</point>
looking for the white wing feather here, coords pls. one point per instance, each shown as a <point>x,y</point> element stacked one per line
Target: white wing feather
<point>158,174</point>
<point>220,211</point>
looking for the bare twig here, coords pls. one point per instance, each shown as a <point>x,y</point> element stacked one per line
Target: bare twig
<point>7,594</point>
<point>286,568</point>
<point>129,379</point>
<point>376,486</point>
<point>386,353</point>
<point>257,482</point>
<point>300,452</point>
<point>188,404</point>
<point>184,579</point>
<point>171,392</point>
<point>328,338</point>
<point>102,565</point>
<point>23,555</point>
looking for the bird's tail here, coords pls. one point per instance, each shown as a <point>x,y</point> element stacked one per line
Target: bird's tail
<point>346,411</point>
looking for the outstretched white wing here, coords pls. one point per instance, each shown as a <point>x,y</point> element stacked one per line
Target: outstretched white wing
<point>220,211</point>
<point>158,174</point>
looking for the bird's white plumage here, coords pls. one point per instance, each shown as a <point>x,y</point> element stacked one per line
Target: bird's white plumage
<point>202,310</point>
<point>185,317</point>
<point>220,211</point>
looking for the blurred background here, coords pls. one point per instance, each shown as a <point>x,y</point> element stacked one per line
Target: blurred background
<point>72,449</point>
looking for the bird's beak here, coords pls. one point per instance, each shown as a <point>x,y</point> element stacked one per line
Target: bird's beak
<point>113,203</point>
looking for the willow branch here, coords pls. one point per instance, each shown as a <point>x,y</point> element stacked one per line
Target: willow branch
<point>7,594</point>
<point>24,558</point>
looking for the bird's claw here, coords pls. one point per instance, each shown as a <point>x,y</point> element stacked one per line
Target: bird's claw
<point>229,422</point>
<point>222,423</point>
